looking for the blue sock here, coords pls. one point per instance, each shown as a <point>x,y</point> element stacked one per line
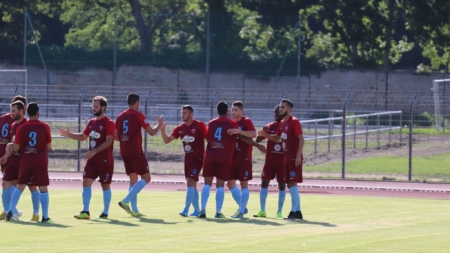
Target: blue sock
<point>44,202</point>
<point>106,200</point>
<point>262,198</point>
<point>236,193</point>
<point>298,206</point>
<point>189,197</point>
<point>195,201</point>
<point>137,187</point>
<point>87,194</point>
<point>295,197</point>
<point>14,200</point>
<point>35,199</point>
<point>6,199</point>
<point>244,200</point>
<point>281,197</point>
<point>205,195</point>
<point>133,202</point>
<point>12,188</point>
<point>220,196</point>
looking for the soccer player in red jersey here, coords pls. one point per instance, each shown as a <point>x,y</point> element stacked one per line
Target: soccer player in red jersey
<point>5,137</point>
<point>273,167</point>
<point>11,171</point>
<point>291,134</point>
<point>33,141</point>
<point>241,166</point>
<point>100,161</point>
<point>128,131</point>
<point>192,134</point>
<point>219,152</point>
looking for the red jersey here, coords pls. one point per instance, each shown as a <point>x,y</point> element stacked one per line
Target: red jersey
<point>128,126</point>
<point>243,151</point>
<point>14,127</point>
<point>97,130</point>
<point>5,135</point>
<point>221,145</point>
<point>193,138</point>
<point>274,155</point>
<point>33,137</point>
<point>289,130</point>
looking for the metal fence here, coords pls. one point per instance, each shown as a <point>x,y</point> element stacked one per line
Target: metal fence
<point>344,139</point>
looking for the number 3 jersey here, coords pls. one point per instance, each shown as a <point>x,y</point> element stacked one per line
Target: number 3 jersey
<point>193,138</point>
<point>221,145</point>
<point>33,137</point>
<point>97,130</point>
<point>289,131</point>
<point>5,136</point>
<point>129,125</point>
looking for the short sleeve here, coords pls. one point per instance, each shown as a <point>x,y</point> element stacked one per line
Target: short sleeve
<point>17,138</point>
<point>297,127</point>
<point>86,130</point>
<point>110,128</point>
<point>49,135</point>
<point>175,133</point>
<point>143,120</point>
<point>249,125</point>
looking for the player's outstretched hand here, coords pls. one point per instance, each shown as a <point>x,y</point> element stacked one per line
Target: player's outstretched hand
<point>232,131</point>
<point>163,126</point>
<point>266,129</point>
<point>64,132</point>
<point>262,148</point>
<point>262,133</point>
<point>160,119</point>
<point>89,155</point>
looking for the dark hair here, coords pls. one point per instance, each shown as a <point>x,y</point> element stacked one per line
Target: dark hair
<point>132,98</point>
<point>277,108</point>
<point>288,102</point>
<point>32,109</point>
<point>19,104</point>
<point>103,100</point>
<point>222,108</point>
<point>188,107</point>
<point>238,104</point>
<point>19,98</point>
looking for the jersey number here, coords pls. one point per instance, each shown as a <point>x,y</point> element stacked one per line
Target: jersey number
<point>33,139</point>
<point>125,127</point>
<point>5,130</point>
<point>218,133</point>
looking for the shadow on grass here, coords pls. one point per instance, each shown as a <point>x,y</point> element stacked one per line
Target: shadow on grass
<point>40,224</point>
<point>307,222</point>
<point>262,222</point>
<point>156,221</point>
<point>114,222</point>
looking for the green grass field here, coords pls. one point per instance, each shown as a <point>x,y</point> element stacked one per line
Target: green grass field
<point>332,224</point>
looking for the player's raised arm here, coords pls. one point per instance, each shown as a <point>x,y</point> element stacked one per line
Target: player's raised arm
<point>74,136</point>
<point>167,139</point>
<point>250,141</point>
<point>154,130</point>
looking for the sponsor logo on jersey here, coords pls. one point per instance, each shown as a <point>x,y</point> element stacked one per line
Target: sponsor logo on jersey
<point>187,148</point>
<point>277,147</point>
<point>30,150</point>
<point>188,139</point>
<point>283,136</point>
<point>284,146</point>
<point>94,134</point>
<point>93,144</point>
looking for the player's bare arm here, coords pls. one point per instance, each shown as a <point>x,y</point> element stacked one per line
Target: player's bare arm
<point>301,143</point>
<point>108,142</point>
<point>15,148</point>
<point>249,134</point>
<point>250,141</point>
<point>116,135</point>
<point>154,130</point>
<point>74,136</point>
<point>271,137</point>
<point>167,139</point>
<point>49,146</point>
<point>260,138</point>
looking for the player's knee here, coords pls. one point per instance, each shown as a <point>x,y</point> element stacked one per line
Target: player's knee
<point>281,186</point>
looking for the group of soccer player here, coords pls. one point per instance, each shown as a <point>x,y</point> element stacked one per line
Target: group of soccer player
<point>24,146</point>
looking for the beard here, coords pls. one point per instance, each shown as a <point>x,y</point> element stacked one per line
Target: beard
<point>283,115</point>
<point>98,113</point>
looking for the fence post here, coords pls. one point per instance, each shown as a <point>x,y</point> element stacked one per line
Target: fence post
<point>281,97</point>
<point>354,133</point>
<point>15,92</point>
<point>401,128</point>
<point>212,102</point>
<point>411,121</point>
<point>367,132</point>
<point>315,139</point>
<point>378,131</point>
<point>145,112</point>
<point>79,127</point>
<point>390,128</point>
<point>344,107</point>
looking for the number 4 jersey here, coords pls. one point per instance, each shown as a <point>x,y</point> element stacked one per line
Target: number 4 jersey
<point>33,137</point>
<point>97,130</point>
<point>221,145</point>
